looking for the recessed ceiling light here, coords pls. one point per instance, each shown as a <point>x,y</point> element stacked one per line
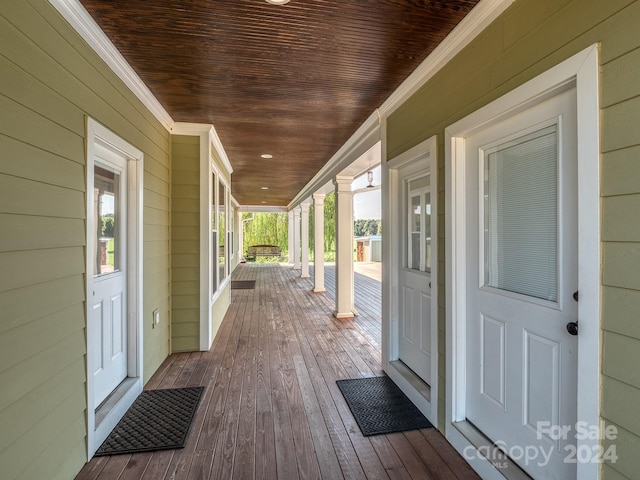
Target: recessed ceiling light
<point>264,188</point>
<point>266,155</point>
<point>277,2</point>
<point>264,201</point>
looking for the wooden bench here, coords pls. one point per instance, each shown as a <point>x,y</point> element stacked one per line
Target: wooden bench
<point>255,251</point>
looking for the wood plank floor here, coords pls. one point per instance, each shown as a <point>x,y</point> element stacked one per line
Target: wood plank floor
<point>272,408</point>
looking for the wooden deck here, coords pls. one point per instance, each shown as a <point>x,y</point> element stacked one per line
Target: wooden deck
<point>272,408</point>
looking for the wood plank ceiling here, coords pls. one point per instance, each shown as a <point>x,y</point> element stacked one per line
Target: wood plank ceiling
<point>294,81</point>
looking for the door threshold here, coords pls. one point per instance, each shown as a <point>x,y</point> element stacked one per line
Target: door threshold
<point>410,376</point>
<point>485,447</point>
<point>114,399</point>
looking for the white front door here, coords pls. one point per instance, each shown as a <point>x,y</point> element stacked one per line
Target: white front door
<point>108,312</point>
<point>415,275</point>
<point>521,247</point>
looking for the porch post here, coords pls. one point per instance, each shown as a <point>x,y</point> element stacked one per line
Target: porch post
<point>305,239</point>
<point>291,240</point>
<point>296,238</point>
<point>240,229</point>
<point>344,248</point>
<point>318,242</point>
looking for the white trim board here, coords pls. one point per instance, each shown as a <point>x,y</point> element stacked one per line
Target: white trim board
<point>367,135</point>
<point>485,12</point>
<point>110,414</point>
<point>88,29</point>
<point>582,70</point>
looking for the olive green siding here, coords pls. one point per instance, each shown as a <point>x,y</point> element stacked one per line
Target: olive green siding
<point>49,82</point>
<point>185,246</point>
<point>527,39</point>
<point>185,243</point>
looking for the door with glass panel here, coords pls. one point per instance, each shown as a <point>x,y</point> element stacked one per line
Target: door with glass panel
<point>108,312</point>
<point>415,277</point>
<point>521,244</point>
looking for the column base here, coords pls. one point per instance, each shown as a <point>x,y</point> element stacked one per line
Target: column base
<point>318,290</point>
<point>351,314</point>
<point>304,276</point>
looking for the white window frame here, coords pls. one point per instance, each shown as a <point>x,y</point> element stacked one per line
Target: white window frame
<point>582,71</point>
<point>227,198</point>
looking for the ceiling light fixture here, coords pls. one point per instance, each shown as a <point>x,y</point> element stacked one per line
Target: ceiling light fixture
<point>277,2</point>
<point>264,188</point>
<point>266,155</point>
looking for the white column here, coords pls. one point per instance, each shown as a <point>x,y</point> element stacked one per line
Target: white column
<point>296,238</point>
<point>291,239</point>
<point>318,242</point>
<point>240,229</point>
<point>344,249</point>
<point>304,209</point>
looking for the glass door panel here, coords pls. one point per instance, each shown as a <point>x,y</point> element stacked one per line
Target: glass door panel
<point>107,236</point>
<point>521,215</point>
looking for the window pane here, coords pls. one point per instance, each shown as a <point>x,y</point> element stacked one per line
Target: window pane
<point>106,186</point>
<point>222,193</point>
<point>427,231</point>
<point>214,271</point>
<point>230,240</point>
<point>521,215</point>
<point>415,248</point>
<point>415,214</point>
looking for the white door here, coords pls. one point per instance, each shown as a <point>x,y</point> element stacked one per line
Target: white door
<point>108,312</point>
<point>521,242</point>
<point>415,276</point>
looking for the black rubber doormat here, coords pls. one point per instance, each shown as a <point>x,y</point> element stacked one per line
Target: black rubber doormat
<point>157,420</point>
<point>379,406</point>
<point>243,284</point>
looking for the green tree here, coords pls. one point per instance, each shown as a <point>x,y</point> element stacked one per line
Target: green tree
<point>265,229</point>
<point>330,223</point>
<point>367,227</point>
<point>273,228</point>
<point>107,225</point>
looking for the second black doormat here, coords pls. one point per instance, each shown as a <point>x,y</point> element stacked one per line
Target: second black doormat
<point>379,406</point>
<point>157,420</point>
<point>243,284</point>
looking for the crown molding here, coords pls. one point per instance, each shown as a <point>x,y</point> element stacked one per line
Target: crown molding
<point>483,14</point>
<point>74,13</point>
<point>359,143</point>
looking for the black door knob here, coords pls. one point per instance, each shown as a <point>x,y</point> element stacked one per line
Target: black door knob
<point>572,328</point>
